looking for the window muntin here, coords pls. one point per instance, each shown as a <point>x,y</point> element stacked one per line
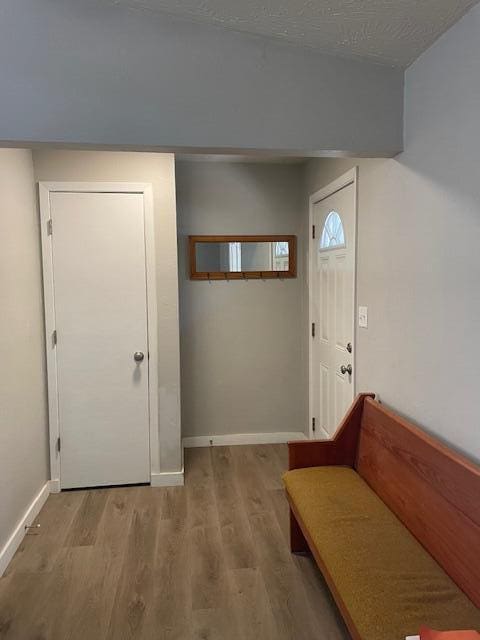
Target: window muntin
<point>333,235</point>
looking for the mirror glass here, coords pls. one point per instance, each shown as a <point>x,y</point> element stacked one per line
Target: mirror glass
<point>236,257</point>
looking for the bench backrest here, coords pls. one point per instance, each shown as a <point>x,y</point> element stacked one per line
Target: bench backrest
<point>433,490</point>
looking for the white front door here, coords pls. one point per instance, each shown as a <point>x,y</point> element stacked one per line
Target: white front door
<point>100,300</point>
<point>332,296</point>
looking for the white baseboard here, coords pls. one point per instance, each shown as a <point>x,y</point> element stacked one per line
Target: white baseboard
<point>243,438</point>
<point>167,479</point>
<point>55,486</point>
<point>12,544</point>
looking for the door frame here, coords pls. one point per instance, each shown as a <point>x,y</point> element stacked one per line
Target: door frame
<point>145,189</point>
<point>345,180</point>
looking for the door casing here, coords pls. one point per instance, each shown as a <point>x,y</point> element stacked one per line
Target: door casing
<point>45,189</point>
<point>348,178</point>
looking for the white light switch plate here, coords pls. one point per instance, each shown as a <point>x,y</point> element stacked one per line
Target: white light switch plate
<point>363,317</point>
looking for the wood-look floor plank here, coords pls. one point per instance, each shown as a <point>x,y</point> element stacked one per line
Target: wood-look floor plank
<point>47,599</point>
<point>282,512</point>
<point>38,553</point>
<point>172,595</point>
<point>253,605</point>
<point>201,508</point>
<point>83,530</point>
<point>206,561</point>
<point>324,611</point>
<point>57,611</point>
<point>236,535</point>
<point>250,477</point>
<point>281,452</point>
<point>269,466</point>
<point>15,591</point>
<point>215,624</point>
<point>285,590</point>
<point>91,613</point>
<point>206,554</point>
<point>208,568</point>
<point>135,588</point>
<point>173,505</point>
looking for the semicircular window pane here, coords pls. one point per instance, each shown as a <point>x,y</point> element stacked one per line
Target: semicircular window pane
<point>333,235</point>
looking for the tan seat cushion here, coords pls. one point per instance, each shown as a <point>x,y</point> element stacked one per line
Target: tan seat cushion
<point>389,583</point>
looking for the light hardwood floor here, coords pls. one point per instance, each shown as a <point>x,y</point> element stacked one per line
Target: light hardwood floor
<point>206,561</point>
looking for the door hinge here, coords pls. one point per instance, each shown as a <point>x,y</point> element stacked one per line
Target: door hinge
<point>313,424</point>
<point>313,329</point>
<point>313,232</point>
<point>54,338</point>
<point>49,227</point>
<point>59,445</point>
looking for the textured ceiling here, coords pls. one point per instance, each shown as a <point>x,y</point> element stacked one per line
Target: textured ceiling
<point>393,32</point>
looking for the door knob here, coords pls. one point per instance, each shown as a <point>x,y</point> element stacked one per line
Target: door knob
<point>346,369</point>
<point>349,347</point>
<point>138,356</point>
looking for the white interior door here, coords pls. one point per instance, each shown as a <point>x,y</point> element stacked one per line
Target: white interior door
<point>332,291</point>
<point>99,275</point>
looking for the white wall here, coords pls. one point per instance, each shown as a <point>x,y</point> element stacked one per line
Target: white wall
<point>419,239</point>
<point>23,407</point>
<point>97,73</point>
<point>159,170</point>
<point>242,368</point>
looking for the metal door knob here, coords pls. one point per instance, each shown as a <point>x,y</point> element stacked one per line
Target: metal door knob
<point>346,369</point>
<point>138,356</point>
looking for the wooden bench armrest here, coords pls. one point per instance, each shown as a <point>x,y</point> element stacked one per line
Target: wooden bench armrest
<point>341,450</point>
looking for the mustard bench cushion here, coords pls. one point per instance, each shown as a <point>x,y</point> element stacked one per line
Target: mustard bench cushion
<point>388,582</point>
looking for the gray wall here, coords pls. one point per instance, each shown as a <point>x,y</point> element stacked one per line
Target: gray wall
<point>95,73</point>
<point>159,170</point>
<point>242,368</point>
<point>419,239</point>
<point>23,399</point>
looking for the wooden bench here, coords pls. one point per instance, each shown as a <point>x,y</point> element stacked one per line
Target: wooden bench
<point>392,518</point>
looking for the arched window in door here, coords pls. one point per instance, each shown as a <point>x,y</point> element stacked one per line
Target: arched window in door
<point>333,235</point>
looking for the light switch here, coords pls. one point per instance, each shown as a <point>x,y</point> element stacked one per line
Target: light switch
<point>363,317</point>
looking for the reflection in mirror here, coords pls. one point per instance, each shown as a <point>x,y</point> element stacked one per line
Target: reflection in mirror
<point>242,257</point>
<point>235,257</point>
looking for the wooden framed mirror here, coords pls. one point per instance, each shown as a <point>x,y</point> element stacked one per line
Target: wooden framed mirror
<point>242,257</point>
